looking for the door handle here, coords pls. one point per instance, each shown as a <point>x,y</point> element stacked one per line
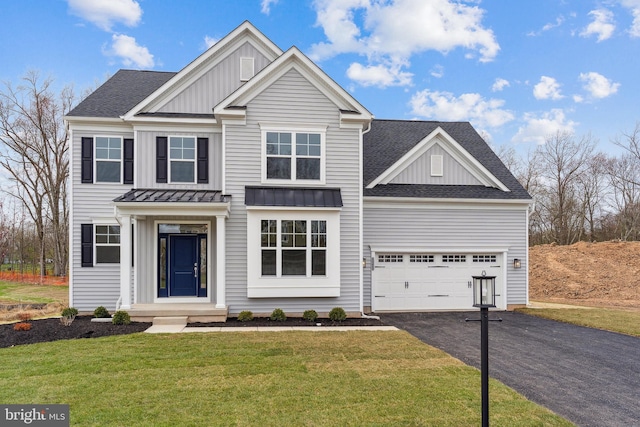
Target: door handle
<point>195,270</point>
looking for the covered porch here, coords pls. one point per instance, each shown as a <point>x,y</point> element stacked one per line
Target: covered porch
<point>172,253</point>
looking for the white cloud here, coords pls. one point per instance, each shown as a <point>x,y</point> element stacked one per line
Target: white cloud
<point>598,85</point>
<point>210,41</point>
<point>130,52</point>
<point>602,25</point>
<point>539,127</point>
<point>548,88</point>
<point>499,85</point>
<point>437,71</point>
<point>549,26</point>
<point>106,13</point>
<point>266,6</point>
<point>634,7</point>
<point>378,75</point>
<point>468,106</point>
<point>390,32</point>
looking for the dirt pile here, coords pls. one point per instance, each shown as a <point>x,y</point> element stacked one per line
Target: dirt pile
<point>603,274</point>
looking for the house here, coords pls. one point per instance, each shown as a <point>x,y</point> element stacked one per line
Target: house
<point>250,180</point>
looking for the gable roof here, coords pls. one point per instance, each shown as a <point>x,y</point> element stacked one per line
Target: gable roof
<point>388,141</point>
<point>120,93</point>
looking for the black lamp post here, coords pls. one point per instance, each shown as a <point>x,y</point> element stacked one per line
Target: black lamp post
<point>484,297</point>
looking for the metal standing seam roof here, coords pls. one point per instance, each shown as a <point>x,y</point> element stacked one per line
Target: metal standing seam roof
<point>293,197</point>
<point>169,195</point>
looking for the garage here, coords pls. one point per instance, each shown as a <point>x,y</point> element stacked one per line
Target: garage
<point>431,281</point>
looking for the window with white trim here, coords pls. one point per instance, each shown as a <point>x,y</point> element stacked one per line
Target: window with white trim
<point>454,258</point>
<point>293,247</point>
<point>182,159</point>
<point>484,258</point>
<point>421,258</point>
<point>107,244</point>
<point>108,159</point>
<point>293,156</point>
<point>390,258</point>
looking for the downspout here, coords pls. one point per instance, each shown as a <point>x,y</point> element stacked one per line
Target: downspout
<point>362,314</point>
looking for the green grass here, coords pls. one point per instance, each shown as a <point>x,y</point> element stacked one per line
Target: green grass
<point>622,321</point>
<point>29,293</point>
<point>263,378</point>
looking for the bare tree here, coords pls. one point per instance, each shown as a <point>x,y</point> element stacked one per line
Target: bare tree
<point>35,154</point>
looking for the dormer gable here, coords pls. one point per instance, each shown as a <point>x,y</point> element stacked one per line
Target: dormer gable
<point>438,159</point>
<point>219,71</point>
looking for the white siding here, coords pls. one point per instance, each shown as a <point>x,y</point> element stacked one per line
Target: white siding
<point>450,228</point>
<point>216,84</point>
<point>419,172</point>
<point>292,99</point>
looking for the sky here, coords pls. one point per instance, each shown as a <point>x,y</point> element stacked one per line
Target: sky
<point>519,71</point>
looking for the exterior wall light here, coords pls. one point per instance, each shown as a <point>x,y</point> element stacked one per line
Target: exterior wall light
<point>516,263</point>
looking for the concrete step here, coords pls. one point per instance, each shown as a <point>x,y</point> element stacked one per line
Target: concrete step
<point>171,320</point>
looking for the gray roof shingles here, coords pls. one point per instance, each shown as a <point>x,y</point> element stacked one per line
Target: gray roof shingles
<point>389,140</point>
<point>120,93</point>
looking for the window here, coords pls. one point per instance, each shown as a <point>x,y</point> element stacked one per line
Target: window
<point>108,159</point>
<point>293,247</point>
<point>390,258</point>
<point>293,156</point>
<point>484,258</point>
<point>182,159</point>
<point>107,244</point>
<point>454,258</point>
<point>421,258</point>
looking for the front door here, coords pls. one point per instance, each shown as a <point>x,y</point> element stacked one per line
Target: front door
<point>184,266</point>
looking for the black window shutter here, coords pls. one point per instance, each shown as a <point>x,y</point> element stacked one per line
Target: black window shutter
<point>203,160</point>
<point>161,159</point>
<point>127,164</point>
<point>86,247</point>
<point>87,160</point>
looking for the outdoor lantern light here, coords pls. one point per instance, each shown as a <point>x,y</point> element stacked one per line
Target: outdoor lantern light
<point>484,290</point>
<point>516,263</point>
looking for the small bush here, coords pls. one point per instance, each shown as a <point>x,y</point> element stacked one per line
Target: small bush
<point>69,312</point>
<point>22,326</point>
<point>121,318</point>
<point>337,314</point>
<point>101,313</point>
<point>310,315</point>
<point>245,316</point>
<point>278,315</point>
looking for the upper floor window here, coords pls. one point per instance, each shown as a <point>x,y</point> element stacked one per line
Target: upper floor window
<point>182,158</point>
<point>108,159</point>
<point>294,156</point>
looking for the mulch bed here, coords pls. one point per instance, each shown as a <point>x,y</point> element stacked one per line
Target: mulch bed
<point>47,330</point>
<point>291,321</point>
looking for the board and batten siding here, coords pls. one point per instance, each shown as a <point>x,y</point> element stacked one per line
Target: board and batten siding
<point>223,79</point>
<point>460,228</point>
<point>146,160</point>
<point>100,284</point>
<point>292,99</point>
<point>419,172</point>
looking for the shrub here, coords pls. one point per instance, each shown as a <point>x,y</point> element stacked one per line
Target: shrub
<point>121,318</point>
<point>337,314</point>
<point>22,326</point>
<point>101,312</point>
<point>278,315</point>
<point>245,316</point>
<point>310,315</point>
<point>24,316</point>
<point>69,312</point>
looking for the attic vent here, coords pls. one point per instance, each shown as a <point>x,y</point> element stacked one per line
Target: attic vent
<point>246,69</point>
<point>436,165</point>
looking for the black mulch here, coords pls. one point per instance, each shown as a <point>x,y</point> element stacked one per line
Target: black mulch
<point>47,330</point>
<point>292,321</point>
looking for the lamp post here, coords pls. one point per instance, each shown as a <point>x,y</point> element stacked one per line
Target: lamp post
<point>484,297</point>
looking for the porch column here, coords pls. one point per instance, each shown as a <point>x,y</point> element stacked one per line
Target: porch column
<point>125,262</point>
<point>221,243</point>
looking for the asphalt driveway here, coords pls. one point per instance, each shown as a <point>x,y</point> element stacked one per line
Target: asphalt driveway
<point>588,376</point>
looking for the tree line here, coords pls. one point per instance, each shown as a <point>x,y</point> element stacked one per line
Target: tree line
<point>579,193</point>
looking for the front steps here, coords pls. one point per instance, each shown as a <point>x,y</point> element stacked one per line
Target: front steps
<point>170,312</point>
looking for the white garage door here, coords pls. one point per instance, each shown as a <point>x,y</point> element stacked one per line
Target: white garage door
<point>431,281</point>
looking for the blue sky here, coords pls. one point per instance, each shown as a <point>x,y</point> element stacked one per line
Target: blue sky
<point>517,70</point>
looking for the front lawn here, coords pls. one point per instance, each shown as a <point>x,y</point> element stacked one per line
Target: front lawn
<point>29,293</point>
<point>621,321</point>
<point>263,378</point>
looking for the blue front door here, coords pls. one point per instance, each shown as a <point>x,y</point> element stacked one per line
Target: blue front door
<point>184,267</point>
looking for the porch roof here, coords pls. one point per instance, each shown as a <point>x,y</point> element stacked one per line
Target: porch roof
<point>293,197</point>
<point>172,195</point>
